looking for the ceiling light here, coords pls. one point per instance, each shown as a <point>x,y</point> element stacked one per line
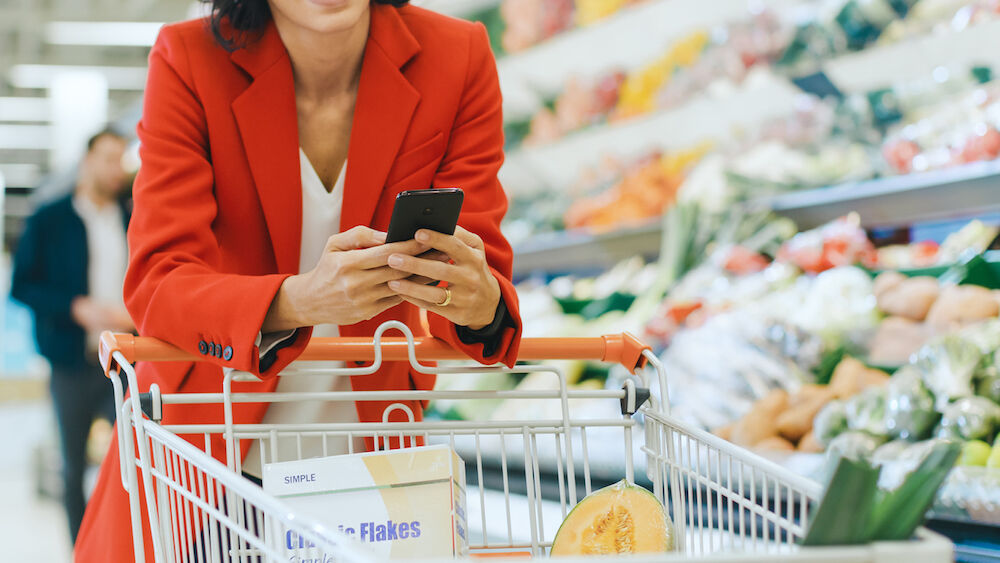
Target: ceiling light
<point>21,175</point>
<point>41,76</point>
<point>128,34</point>
<point>24,109</point>
<point>25,137</point>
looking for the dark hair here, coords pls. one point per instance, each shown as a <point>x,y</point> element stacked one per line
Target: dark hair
<point>246,18</point>
<point>106,132</point>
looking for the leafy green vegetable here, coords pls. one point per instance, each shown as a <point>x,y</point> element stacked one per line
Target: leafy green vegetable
<point>854,510</point>
<point>969,418</point>
<point>866,411</point>
<point>828,363</point>
<point>854,445</point>
<point>947,367</point>
<point>830,422</point>
<point>843,515</point>
<point>898,513</point>
<point>909,406</point>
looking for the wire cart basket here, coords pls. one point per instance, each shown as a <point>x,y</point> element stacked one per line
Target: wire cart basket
<point>727,504</point>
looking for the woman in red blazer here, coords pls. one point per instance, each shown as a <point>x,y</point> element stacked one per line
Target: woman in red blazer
<point>410,99</point>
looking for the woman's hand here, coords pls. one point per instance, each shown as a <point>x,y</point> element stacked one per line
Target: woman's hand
<point>475,292</point>
<point>348,285</point>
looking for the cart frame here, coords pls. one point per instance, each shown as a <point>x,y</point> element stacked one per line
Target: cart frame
<point>722,498</point>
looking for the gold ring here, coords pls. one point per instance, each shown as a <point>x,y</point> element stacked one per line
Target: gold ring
<point>447,298</point>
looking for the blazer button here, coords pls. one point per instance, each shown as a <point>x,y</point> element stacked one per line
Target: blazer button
<point>211,348</point>
<point>227,354</point>
<point>203,347</point>
<point>218,351</point>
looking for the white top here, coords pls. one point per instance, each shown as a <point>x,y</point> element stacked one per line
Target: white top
<point>320,220</point>
<point>107,253</point>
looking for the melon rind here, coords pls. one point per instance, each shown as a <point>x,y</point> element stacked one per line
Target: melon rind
<point>620,518</point>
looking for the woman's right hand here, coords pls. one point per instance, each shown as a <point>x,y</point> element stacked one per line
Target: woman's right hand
<point>348,285</point>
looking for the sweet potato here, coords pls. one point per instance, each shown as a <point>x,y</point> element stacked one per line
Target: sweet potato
<point>809,444</point>
<point>960,304</point>
<point>806,393</point>
<point>885,282</point>
<point>761,421</point>
<point>896,339</point>
<point>725,432</point>
<point>775,443</point>
<point>850,377</point>
<point>797,421</point>
<point>911,298</point>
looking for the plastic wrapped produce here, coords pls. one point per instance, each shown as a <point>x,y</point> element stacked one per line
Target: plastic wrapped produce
<point>830,422</point>
<point>969,418</point>
<point>898,462</point>
<point>989,382</point>
<point>890,452</point>
<point>866,411</point>
<point>947,367</point>
<point>909,406</point>
<point>853,445</point>
<point>984,335</point>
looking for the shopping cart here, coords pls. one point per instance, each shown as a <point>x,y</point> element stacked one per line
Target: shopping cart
<point>726,503</point>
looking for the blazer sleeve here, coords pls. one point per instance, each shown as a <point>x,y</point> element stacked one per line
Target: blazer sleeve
<point>30,284</point>
<point>175,288</point>
<point>471,162</point>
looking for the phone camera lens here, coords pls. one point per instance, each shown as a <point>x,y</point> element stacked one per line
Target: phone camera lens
<point>428,211</point>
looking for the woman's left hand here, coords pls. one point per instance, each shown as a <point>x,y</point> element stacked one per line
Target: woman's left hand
<point>475,292</point>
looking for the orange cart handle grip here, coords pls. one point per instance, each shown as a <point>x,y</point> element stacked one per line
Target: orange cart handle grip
<point>623,349</point>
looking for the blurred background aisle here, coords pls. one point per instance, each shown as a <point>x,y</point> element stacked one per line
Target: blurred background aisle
<point>31,528</point>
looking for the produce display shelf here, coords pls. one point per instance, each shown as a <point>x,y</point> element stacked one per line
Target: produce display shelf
<point>540,71</point>
<point>963,191</point>
<point>899,63</point>
<point>578,251</point>
<point>556,166</point>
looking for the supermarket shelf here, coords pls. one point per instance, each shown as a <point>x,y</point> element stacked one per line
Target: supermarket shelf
<point>883,65</point>
<point>580,251</point>
<point>972,189</point>
<point>762,97</point>
<point>651,27</point>
<point>967,190</point>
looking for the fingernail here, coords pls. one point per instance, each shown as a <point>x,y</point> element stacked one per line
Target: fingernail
<point>394,284</point>
<point>423,236</point>
<point>395,260</point>
<point>380,236</point>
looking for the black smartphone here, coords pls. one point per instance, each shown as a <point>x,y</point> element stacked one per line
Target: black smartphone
<point>436,209</point>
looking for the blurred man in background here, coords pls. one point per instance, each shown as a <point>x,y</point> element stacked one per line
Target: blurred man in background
<point>69,269</point>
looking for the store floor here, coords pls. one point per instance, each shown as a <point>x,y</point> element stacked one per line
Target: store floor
<point>31,529</point>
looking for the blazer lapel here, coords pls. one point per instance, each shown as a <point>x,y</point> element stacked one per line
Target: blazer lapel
<point>385,104</point>
<point>268,123</point>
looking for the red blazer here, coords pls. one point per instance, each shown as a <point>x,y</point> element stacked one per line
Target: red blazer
<point>217,220</point>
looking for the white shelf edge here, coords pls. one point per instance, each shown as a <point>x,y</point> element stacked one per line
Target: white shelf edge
<point>559,164</point>
<point>883,65</point>
<point>543,69</point>
<point>902,200</point>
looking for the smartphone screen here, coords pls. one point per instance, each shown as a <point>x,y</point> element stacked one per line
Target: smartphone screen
<point>436,209</point>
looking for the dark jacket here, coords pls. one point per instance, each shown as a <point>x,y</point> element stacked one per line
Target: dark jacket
<point>50,270</point>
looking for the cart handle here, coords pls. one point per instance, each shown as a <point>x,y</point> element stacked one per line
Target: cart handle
<point>624,349</point>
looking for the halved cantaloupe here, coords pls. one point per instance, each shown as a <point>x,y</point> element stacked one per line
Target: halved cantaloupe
<point>620,518</point>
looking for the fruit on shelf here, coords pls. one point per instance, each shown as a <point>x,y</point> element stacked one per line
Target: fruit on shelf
<point>911,298</point>
<point>640,195</point>
<point>974,453</point>
<point>638,93</point>
<point>838,243</point>
<point>620,518</point>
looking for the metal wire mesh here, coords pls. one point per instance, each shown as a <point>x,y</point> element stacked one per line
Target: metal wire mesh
<point>722,497</point>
